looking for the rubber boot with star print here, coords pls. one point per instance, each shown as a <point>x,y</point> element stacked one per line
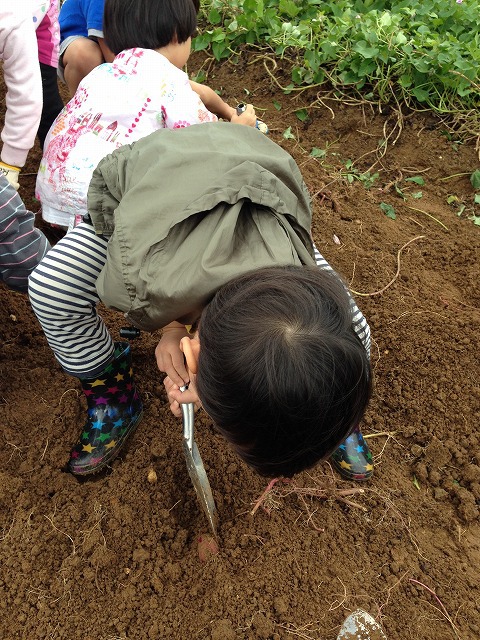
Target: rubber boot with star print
<point>353,459</point>
<point>114,410</point>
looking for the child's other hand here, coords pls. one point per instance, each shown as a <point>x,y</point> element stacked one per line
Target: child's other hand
<point>247,117</point>
<point>169,355</point>
<point>177,397</point>
<point>11,173</point>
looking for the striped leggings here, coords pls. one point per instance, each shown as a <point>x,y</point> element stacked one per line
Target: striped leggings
<point>63,295</point>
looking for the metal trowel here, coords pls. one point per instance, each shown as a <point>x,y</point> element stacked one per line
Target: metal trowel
<point>195,467</point>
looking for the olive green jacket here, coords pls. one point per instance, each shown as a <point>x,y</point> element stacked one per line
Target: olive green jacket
<point>187,210</point>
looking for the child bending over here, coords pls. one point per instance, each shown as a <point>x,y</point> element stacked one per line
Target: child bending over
<point>142,90</point>
<point>210,227</point>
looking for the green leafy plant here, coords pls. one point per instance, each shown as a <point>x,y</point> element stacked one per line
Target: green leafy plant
<point>416,179</point>
<point>469,210</point>
<point>316,152</point>
<point>454,140</point>
<point>351,174</point>
<point>475,179</point>
<point>404,192</point>
<point>388,210</point>
<point>288,135</point>
<point>422,53</point>
<point>302,115</point>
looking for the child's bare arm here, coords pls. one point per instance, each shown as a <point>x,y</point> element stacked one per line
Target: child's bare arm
<point>214,103</point>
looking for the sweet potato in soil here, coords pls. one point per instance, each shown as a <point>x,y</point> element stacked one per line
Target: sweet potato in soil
<point>116,556</point>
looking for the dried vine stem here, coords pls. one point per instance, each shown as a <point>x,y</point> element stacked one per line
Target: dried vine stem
<point>264,495</point>
<point>376,293</point>
<point>429,215</point>
<point>343,495</point>
<point>443,610</point>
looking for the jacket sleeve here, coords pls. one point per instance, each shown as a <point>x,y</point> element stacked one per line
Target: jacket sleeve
<point>22,246</point>
<point>106,189</point>
<point>21,71</point>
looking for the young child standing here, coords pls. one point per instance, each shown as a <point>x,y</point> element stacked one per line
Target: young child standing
<point>209,227</point>
<point>144,89</point>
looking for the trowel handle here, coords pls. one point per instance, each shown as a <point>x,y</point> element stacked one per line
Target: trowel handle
<point>188,414</point>
<point>240,108</point>
<point>261,126</point>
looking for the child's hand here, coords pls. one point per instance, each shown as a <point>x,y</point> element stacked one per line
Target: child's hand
<point>169,355</point>
<point>177,397</point>
<point>247,117</point>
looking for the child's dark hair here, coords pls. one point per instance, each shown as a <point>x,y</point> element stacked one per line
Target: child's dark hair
<point>281,371</point>
<point>148,24</point>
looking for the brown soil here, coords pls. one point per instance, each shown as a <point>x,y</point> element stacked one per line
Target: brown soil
<point>116,556</point>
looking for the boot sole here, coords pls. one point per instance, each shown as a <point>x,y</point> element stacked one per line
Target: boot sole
<point>358,477</point>
<point>107,459</point>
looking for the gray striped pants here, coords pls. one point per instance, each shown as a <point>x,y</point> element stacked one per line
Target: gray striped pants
<point>63,295</point>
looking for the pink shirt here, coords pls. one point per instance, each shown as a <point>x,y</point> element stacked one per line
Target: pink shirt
<point>45,20</point>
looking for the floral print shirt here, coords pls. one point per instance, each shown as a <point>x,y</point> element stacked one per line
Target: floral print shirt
<point>116,104</point>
